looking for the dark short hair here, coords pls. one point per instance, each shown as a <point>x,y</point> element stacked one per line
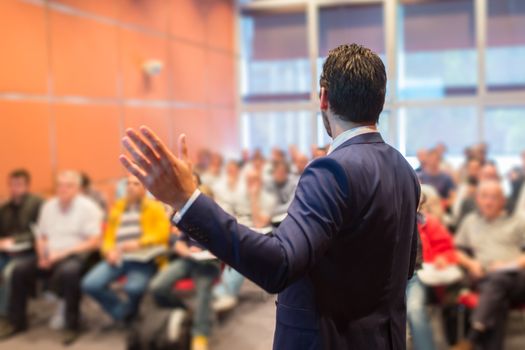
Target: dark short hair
<point>355,80</point>
<point>20,174</point>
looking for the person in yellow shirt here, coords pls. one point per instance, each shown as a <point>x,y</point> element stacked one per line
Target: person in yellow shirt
<point>136,235</point>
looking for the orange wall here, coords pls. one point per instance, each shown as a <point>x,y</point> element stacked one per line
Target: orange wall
<point>71,81</point>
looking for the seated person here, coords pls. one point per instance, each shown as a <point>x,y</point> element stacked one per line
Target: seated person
<point>516,202</point>
<point>228,188</point>
<point>203,272</point>
<point>136,228</point>
<point>431,174</point>
<point>17,216</point>
<point>489,171</point>
<point>490,247</point>
<point>252,209</point>
<point>437,248</point>
<point>68,231</point>
<point>282,187</point>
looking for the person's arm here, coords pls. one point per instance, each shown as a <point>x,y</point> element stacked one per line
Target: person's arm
<point>89,244</point>
<point>272,261</point>
<point>41,248</point>
<point>463,244</point>
<point>182,248</point>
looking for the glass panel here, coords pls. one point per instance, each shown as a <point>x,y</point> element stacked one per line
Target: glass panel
<point>505,130</point>
<point>437,52</point>
<point>361,24</point>
<point>275,64</point>
<point>425,127</point>
<point>265,130</point>
<point>505,45</point>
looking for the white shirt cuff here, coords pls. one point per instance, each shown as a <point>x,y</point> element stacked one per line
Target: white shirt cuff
<point>177,217</point>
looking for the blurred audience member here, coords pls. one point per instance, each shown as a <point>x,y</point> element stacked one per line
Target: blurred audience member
<point>319,152</point>
<point>213,173</point>
<point>255,207</point>
<point>68,231</point>
<point>137,230</point>
<point>432,204</point>
<point>516,203</point>
<point>282,187</point>
<point>228,189</point>
<point>300,163</point>
<point>465,199</point>
<point>203,270</point>
<point>95,195</point>
<point>434,176</point>
<point>203,161</point>
<point>490,247</point>
<point>17,218</point>
<point>421,156</point>
<point>437,250</point>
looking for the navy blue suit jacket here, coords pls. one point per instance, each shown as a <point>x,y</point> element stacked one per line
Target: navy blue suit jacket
<point>341,259</point>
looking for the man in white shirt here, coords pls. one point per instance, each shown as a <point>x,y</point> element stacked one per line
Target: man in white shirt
<point>68,230</point>
<point>229,188</point>
<point>255,207</point>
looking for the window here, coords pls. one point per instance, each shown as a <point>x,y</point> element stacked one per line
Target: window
<point>505,68</point>
<point>427,126</point>
<point>265,130</point>
<point>360,24</point>
<point>505,130</point>
<point>437,52</point>
<point>275,60</point>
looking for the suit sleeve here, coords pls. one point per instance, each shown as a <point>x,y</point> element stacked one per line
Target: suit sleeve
<point>274,261</point>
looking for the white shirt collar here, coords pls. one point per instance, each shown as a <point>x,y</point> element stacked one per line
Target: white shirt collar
<point>349,134</point>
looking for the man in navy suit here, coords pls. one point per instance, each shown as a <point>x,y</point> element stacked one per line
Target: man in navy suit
<point>341,259</point>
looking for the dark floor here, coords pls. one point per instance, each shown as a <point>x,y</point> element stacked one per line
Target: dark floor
<point>250,327</point>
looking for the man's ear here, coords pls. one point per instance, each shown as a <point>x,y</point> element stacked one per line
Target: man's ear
<point>323,96</point>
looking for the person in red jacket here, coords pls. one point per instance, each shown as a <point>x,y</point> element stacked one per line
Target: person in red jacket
<point>436,241</point>
<point>437,249</point>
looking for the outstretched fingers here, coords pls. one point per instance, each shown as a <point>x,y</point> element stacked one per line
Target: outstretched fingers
<point>142,145</point>
<point>133,168</point>
<point>138,157</point>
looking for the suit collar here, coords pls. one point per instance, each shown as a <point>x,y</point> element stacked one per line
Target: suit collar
<point>373,137</point>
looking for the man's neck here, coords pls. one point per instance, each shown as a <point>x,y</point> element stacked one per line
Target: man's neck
<point>339,126</point>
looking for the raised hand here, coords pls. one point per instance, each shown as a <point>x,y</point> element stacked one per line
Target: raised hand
<point>167,177</point>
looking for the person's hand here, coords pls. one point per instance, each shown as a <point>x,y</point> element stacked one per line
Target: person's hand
<point>440,262</point>
<point>498,265</point>
<point>476,270</point>
<point>195,249</point>
<point>130,246</point>
<point>167,177</point>
<point>6,243</point>
<point>113,257</point>
<point>253,190</point>
<point>56,257</point>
